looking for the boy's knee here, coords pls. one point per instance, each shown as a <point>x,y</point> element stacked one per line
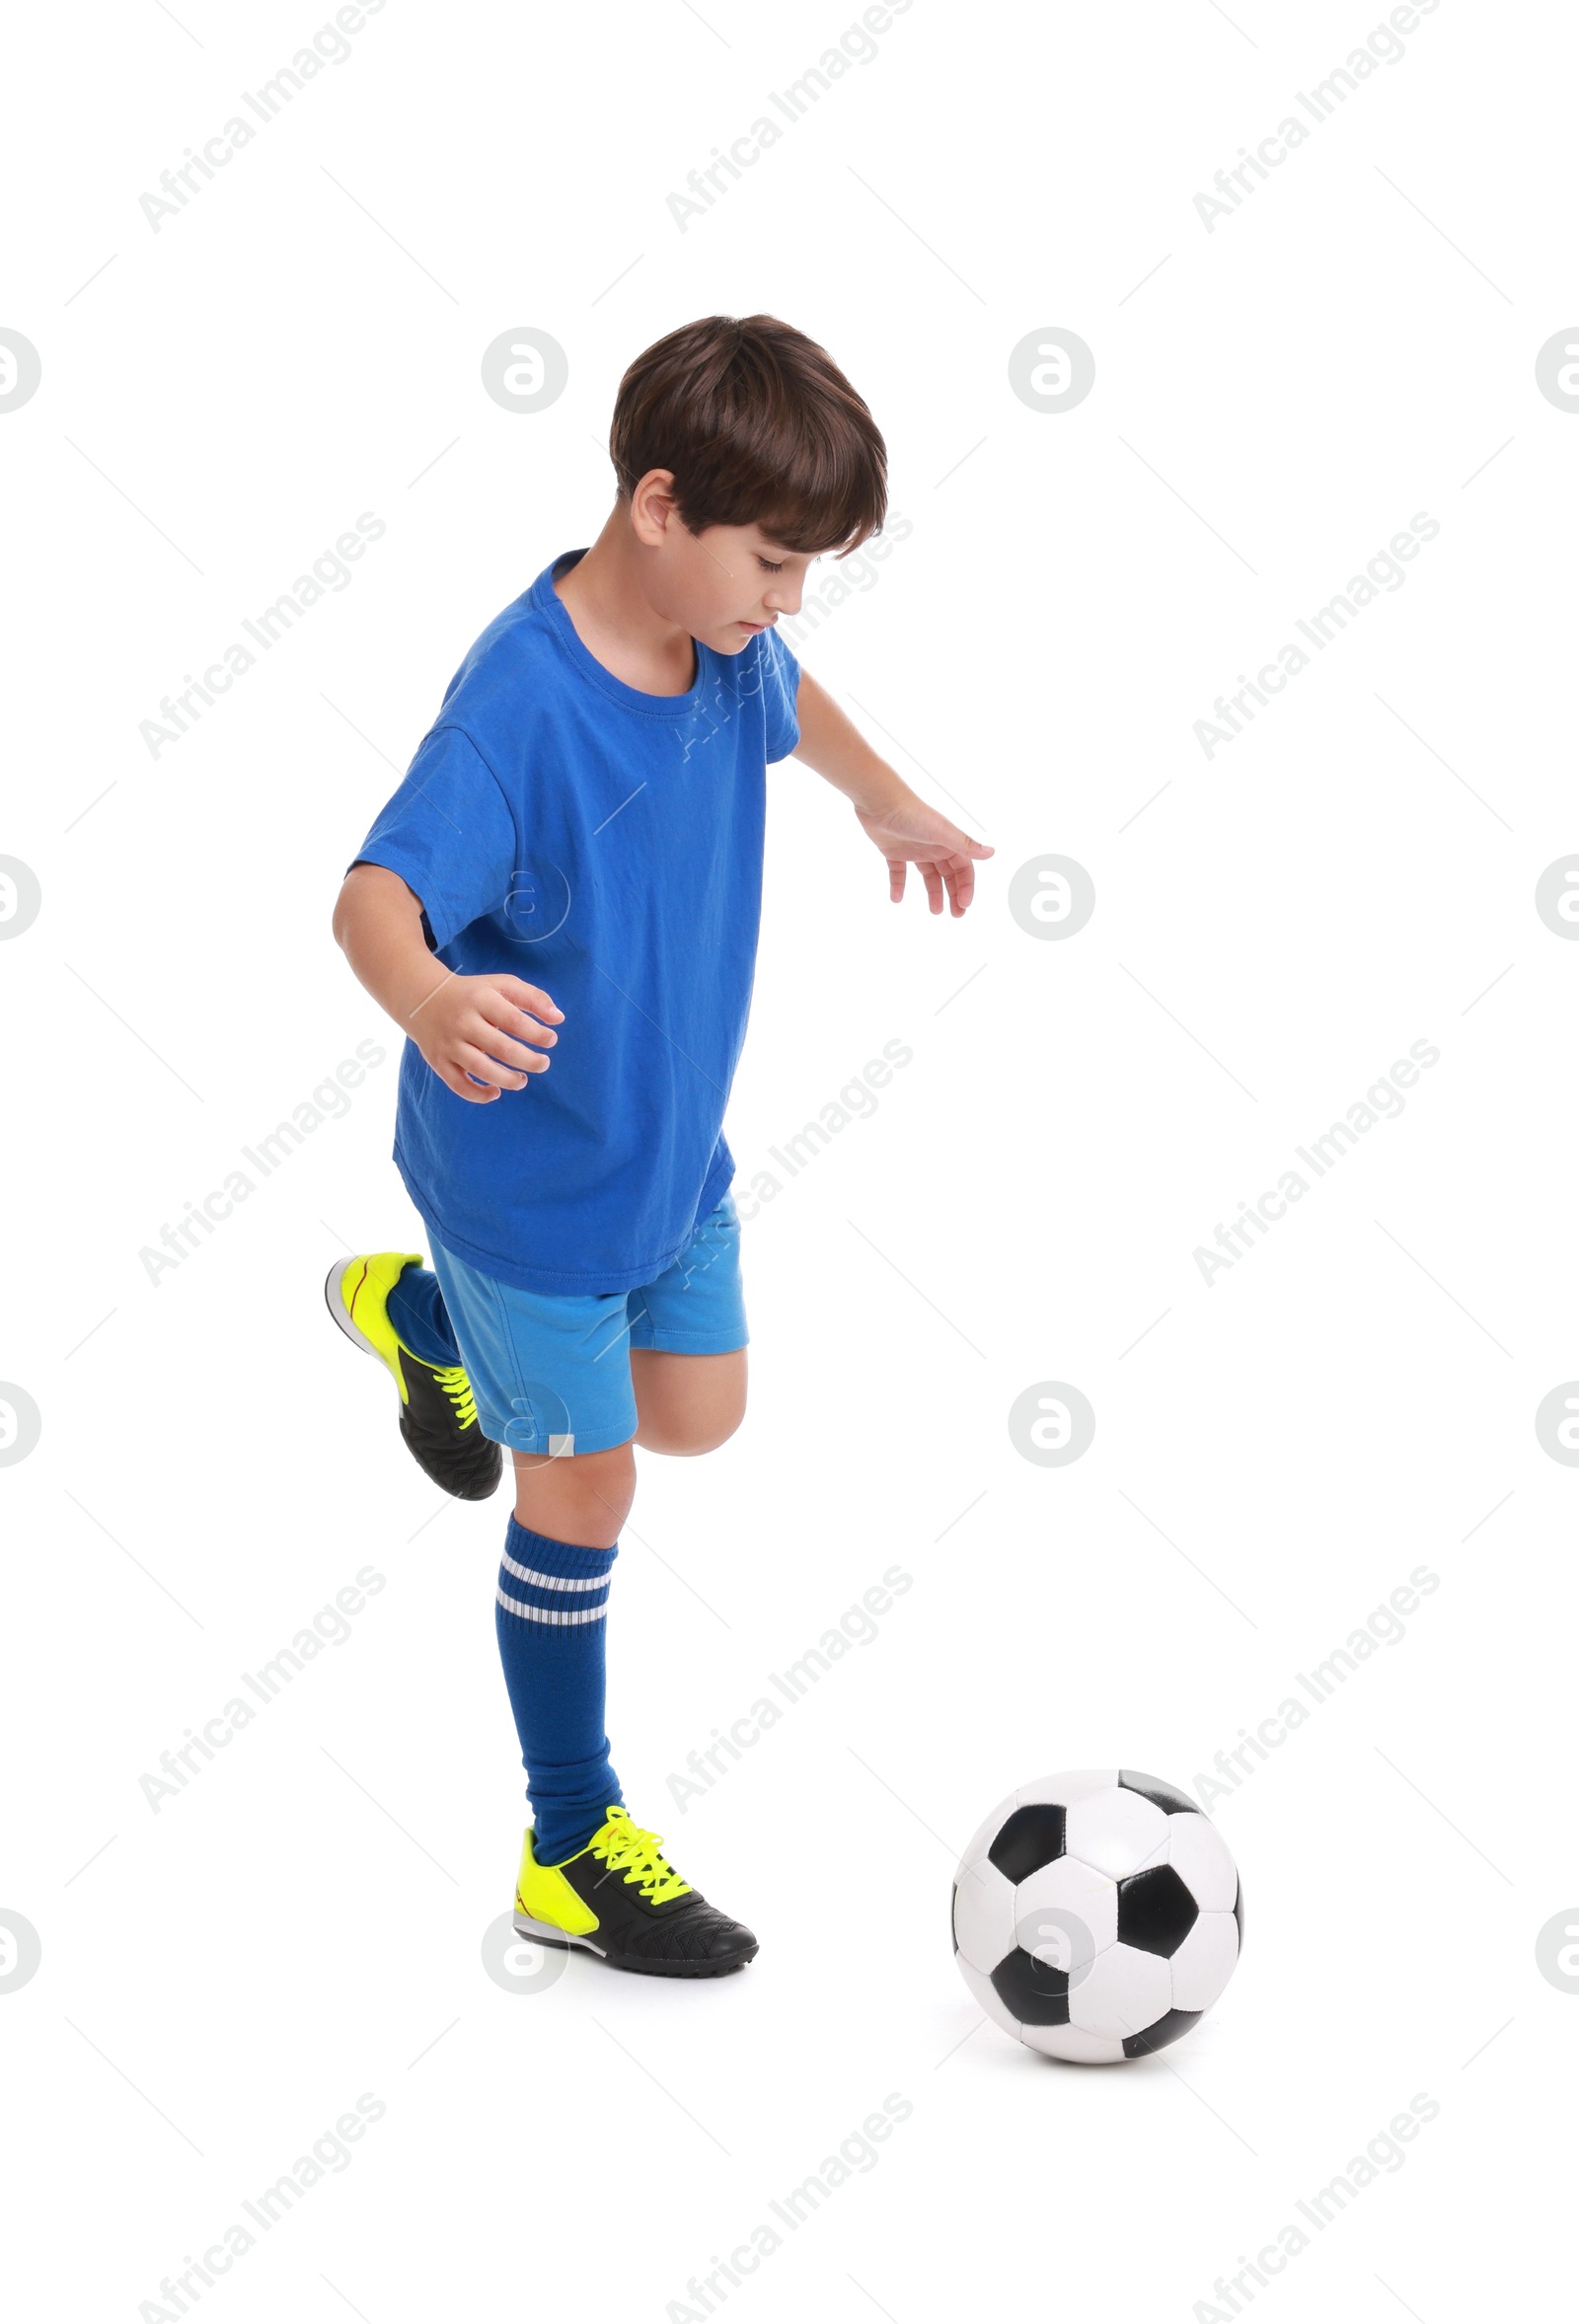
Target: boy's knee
<point>720,1434</point>
<point>576,1496</point>
<point>682,1439</point>
<point>599,1478</point>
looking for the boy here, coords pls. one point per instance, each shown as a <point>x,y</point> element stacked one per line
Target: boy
<point>559,907</point>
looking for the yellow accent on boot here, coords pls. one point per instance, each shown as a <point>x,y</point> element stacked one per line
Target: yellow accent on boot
<point>543,1893</point>
<point>364,1289</point>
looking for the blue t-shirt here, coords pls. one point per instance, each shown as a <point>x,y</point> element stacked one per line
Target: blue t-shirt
<point>606,845</point>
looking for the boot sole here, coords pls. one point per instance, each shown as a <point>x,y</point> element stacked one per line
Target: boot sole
<point>543,1933</point>
<point>337,1307</point>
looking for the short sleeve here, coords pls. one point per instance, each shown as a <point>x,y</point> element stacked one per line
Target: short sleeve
<point>448,833</point>
<point>781,683</point>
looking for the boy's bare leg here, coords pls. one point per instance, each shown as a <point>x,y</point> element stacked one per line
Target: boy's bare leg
<point>578,1497</point>
<point>687,1403</point>
<point>684,1404</point>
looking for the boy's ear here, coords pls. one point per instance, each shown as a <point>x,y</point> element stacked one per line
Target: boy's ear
<point>652,506</point>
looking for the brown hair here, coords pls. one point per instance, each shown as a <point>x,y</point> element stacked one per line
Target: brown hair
<point>759,426</point>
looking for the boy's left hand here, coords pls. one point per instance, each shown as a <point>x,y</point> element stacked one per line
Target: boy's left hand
<point>911,832</point>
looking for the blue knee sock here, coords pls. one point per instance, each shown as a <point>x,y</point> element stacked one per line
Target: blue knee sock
<point>422,1323</point>
<point>551,1618</point>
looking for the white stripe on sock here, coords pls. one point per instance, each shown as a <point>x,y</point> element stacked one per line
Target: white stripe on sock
<point>524,1573</point>
<point>551,1613</point>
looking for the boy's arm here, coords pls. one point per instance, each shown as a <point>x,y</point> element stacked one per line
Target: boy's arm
<point>378,925</point>
<point>898,823</point>
<point>469,1029</point>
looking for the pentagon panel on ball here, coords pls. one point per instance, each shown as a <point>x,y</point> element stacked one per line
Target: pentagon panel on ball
<point>1096,1915</point>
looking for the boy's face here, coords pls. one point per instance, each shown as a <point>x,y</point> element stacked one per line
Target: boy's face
<point>723,584</point>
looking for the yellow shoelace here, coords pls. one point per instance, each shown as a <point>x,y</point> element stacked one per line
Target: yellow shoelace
<point>625,1847</point>
<point>452,1380</point>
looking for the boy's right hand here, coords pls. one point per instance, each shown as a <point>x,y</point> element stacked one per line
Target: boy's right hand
<point>490,1027</point>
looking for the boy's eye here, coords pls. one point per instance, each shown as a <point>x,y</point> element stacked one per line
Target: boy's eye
<point>768,567</point>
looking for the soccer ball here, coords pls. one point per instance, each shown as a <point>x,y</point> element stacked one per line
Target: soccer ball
<point>1096,1915</point>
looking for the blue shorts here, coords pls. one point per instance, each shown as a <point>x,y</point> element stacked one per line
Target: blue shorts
<point>551,1370</point>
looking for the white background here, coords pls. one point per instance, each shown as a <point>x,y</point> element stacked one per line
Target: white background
<point>1273,400</point>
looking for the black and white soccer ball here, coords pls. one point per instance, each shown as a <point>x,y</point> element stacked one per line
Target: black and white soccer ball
<point>1096,1915</point>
